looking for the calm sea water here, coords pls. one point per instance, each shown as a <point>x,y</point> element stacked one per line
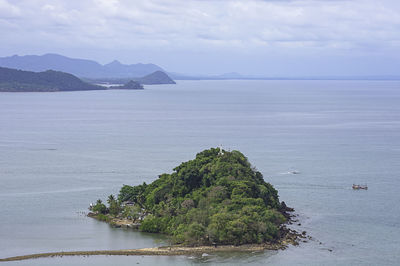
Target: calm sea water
<point>61,151</point>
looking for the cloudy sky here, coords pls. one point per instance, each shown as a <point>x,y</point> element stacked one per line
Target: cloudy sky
<point>270,38</point>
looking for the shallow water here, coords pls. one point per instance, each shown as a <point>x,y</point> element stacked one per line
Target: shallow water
<point>61,151</point>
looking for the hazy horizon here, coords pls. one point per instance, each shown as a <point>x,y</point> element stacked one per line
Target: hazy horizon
<point>267,38</point>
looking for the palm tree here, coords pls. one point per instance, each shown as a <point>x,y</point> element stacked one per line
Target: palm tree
<point>111,198</point>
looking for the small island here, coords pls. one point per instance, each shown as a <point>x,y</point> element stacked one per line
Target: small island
<point>217,202</point>
<point>216,199</point>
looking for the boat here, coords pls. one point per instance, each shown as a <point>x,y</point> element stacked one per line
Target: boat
<point>359,187</point>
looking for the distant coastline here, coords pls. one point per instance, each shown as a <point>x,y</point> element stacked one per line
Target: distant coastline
<point>117,72</point>
<point>15,80</point>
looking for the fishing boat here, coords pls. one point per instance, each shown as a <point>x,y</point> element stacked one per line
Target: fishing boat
<point>360,186</point>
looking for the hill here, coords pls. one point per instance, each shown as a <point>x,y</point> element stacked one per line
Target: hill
<point>157,77</point>
<point>217,198</point>
<point>13,80</point>
<point>79,67</point>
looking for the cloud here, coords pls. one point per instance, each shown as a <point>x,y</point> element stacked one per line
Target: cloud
<point>8,10</point>
<point>239,27</point>
<point>248,22</point>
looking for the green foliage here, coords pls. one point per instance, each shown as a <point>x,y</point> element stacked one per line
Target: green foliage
<point>195,234</point>
<point>215,198</point>
<point>110,199</point>
<point>154,224</point>
<point>131,212</point>
<point>99,207</point>
<point>114,205</point>
<point>103,218</point>
<point>135,194</point>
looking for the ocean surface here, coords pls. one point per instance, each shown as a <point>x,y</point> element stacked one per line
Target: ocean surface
<point>61,151</point>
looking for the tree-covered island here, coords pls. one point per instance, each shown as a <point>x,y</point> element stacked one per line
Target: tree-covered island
<point>216,199</point>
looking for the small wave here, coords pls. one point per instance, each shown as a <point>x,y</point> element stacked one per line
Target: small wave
<point>51,192</point>
<point>312,186</point>
<point>294,172</point>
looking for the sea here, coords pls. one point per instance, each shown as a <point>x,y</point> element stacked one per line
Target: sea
<point>312,140</point>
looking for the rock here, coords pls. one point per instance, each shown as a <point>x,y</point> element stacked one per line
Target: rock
<point>285,208</point>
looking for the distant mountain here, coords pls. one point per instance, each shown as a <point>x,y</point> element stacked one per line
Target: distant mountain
<point>13,80</point>
<point>117,70</point>
<point>79,67</point>
<point>230,75</point>
<point>226,76</point>
<point>157,77</point>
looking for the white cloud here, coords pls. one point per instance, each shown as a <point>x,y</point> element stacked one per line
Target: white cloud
<point>208,22</point>
<point>8,10</point>
<point>253,26</point>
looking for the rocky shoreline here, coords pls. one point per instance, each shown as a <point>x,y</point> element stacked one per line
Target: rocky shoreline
<point>115,221</point>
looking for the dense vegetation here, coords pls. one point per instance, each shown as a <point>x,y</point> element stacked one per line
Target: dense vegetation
<point>19,80</point>
<point>217,198</point>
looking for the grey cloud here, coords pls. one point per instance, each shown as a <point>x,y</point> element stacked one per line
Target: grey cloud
<point>241,27</point>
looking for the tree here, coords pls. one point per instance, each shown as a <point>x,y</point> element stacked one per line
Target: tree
<point>99,207</point>
<point>211,199</point>
<point>110,199</point>
<point>114,206</point>
<point>131,212</point>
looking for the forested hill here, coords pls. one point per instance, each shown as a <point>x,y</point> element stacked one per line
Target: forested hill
<point>216,198</point>
<point>13,80</point>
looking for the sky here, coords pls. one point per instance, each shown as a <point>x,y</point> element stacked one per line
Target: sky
<point>252,37</point>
